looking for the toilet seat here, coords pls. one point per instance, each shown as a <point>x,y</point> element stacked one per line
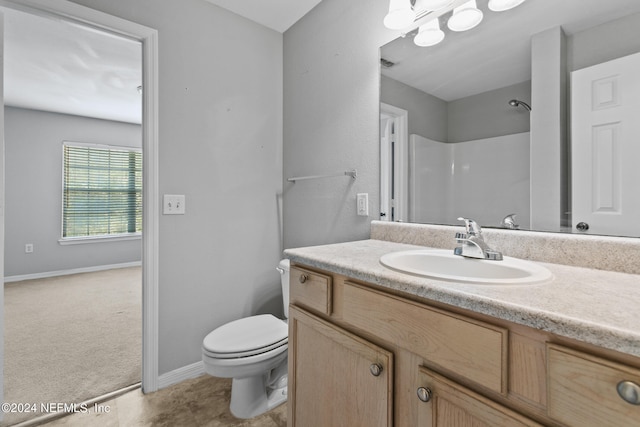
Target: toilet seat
<point>246,337</point>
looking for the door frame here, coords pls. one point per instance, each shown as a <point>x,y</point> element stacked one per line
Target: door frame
<point>400,158</point>
<point>148,37</point>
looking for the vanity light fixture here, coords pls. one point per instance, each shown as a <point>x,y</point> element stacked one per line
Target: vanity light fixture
<point>423,15</point>
<point>401,15</point>
<point>502,5</point>
<point>465,17</point>
<point>429,34</point>
<point>431,4</point>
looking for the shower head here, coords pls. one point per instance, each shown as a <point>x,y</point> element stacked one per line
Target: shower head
<point>516,103</point>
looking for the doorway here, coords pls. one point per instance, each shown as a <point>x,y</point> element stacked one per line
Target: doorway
<point>393,163</point>
<point>80,15</point>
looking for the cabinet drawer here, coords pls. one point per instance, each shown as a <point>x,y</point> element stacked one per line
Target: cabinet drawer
<point>582,389</point>
<point>310,289</point>
<point>465,347</point>
<point>445,403</point>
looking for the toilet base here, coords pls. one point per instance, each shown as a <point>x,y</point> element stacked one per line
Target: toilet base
<point>253,396</point>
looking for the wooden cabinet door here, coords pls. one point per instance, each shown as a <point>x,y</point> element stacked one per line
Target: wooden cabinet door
<point>583,390</point>
<point>336,378</point>
<point>448,404</point>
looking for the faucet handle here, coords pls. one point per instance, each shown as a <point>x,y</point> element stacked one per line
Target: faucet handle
<point>509,221</point>
<point>472,227</point>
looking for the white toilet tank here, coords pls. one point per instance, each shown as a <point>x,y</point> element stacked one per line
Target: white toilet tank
<point>283,268</point>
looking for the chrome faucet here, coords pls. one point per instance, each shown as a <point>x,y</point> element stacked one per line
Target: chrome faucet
<point>472,243</point>
<point>509,221</point>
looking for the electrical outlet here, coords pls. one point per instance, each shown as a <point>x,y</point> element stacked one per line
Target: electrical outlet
<point>362,200</point>
<point>174,204</point>
<point>28,248</point>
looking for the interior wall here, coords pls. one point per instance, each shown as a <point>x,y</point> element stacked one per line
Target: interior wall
<point>220,144</point>
<point>548,130</point>
<point>427,113</point>
<point>603,43</point>
<point>33,191</point>
<point>331,116</point>
<point>488,114</point>
<point>484,115</point>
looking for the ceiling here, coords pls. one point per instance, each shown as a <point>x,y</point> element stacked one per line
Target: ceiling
<point>278,15</point>
<point>54,65</point>
<point>497,52</point>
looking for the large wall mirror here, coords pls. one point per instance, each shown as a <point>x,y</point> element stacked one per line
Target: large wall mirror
<point>534,112</point>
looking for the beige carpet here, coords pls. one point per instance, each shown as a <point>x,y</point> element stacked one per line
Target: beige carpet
<point>71,338</point>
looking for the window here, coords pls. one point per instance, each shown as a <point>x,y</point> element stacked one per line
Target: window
<point>102,191</point>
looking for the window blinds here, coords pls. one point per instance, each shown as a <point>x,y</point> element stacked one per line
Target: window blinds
<point>102,191</point>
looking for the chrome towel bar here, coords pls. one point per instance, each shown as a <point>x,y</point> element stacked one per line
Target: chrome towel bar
<point>352,173</point>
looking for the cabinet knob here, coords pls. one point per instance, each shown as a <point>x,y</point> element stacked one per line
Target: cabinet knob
<point>303,278</point>
<point>424,394</point>
<point>629,392</point>
<point>375,369</point>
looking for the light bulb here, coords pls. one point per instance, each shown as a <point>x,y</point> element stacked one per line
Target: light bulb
<point>429,34</point>
<point>465,17</point>
<point>400,15</point>
<point>502,5</point>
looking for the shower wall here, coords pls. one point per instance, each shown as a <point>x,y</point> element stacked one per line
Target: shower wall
<point>483,176</point>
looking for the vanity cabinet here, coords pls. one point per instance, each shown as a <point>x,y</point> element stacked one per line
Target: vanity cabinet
<point>363,355</point>
<point>336,378</point>
<point>445,403</point>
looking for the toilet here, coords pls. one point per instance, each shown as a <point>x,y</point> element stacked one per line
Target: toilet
<point>252,351</point>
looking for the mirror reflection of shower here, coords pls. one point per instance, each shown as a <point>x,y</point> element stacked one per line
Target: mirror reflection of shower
<point>517,103</point>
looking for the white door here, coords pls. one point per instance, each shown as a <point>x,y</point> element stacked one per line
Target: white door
<point>605,147</point>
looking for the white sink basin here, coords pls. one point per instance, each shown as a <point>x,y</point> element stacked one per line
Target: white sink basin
<point>442,264</point>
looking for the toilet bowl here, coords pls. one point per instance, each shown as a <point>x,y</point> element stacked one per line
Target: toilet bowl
<point>252,351</point>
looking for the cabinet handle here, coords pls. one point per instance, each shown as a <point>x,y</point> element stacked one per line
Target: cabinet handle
<point>424,394</point>
<point>629,392</point>
<point>375,369</point>
<point>303,278</point>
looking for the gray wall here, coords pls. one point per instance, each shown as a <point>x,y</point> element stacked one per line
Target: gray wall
<point>427,113</point>
<point>488,114</point>
<point>485,115</point>
<point>603,43</point>
<point>33,191</point>
<point>331,111</point>
<point>220,144</point>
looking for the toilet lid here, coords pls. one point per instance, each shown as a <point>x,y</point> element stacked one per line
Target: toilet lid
<point>247,335</point>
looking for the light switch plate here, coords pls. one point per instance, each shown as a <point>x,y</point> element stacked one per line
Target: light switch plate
<point>362,200</point>
<point>173,204</point>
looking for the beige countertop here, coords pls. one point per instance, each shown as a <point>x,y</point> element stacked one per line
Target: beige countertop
<point>595,306</point>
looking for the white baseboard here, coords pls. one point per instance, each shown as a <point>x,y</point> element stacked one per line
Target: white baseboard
<point>181,374</point>
<point>46,274</point>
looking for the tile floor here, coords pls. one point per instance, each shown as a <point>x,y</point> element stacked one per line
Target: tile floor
<point>202,401</point>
